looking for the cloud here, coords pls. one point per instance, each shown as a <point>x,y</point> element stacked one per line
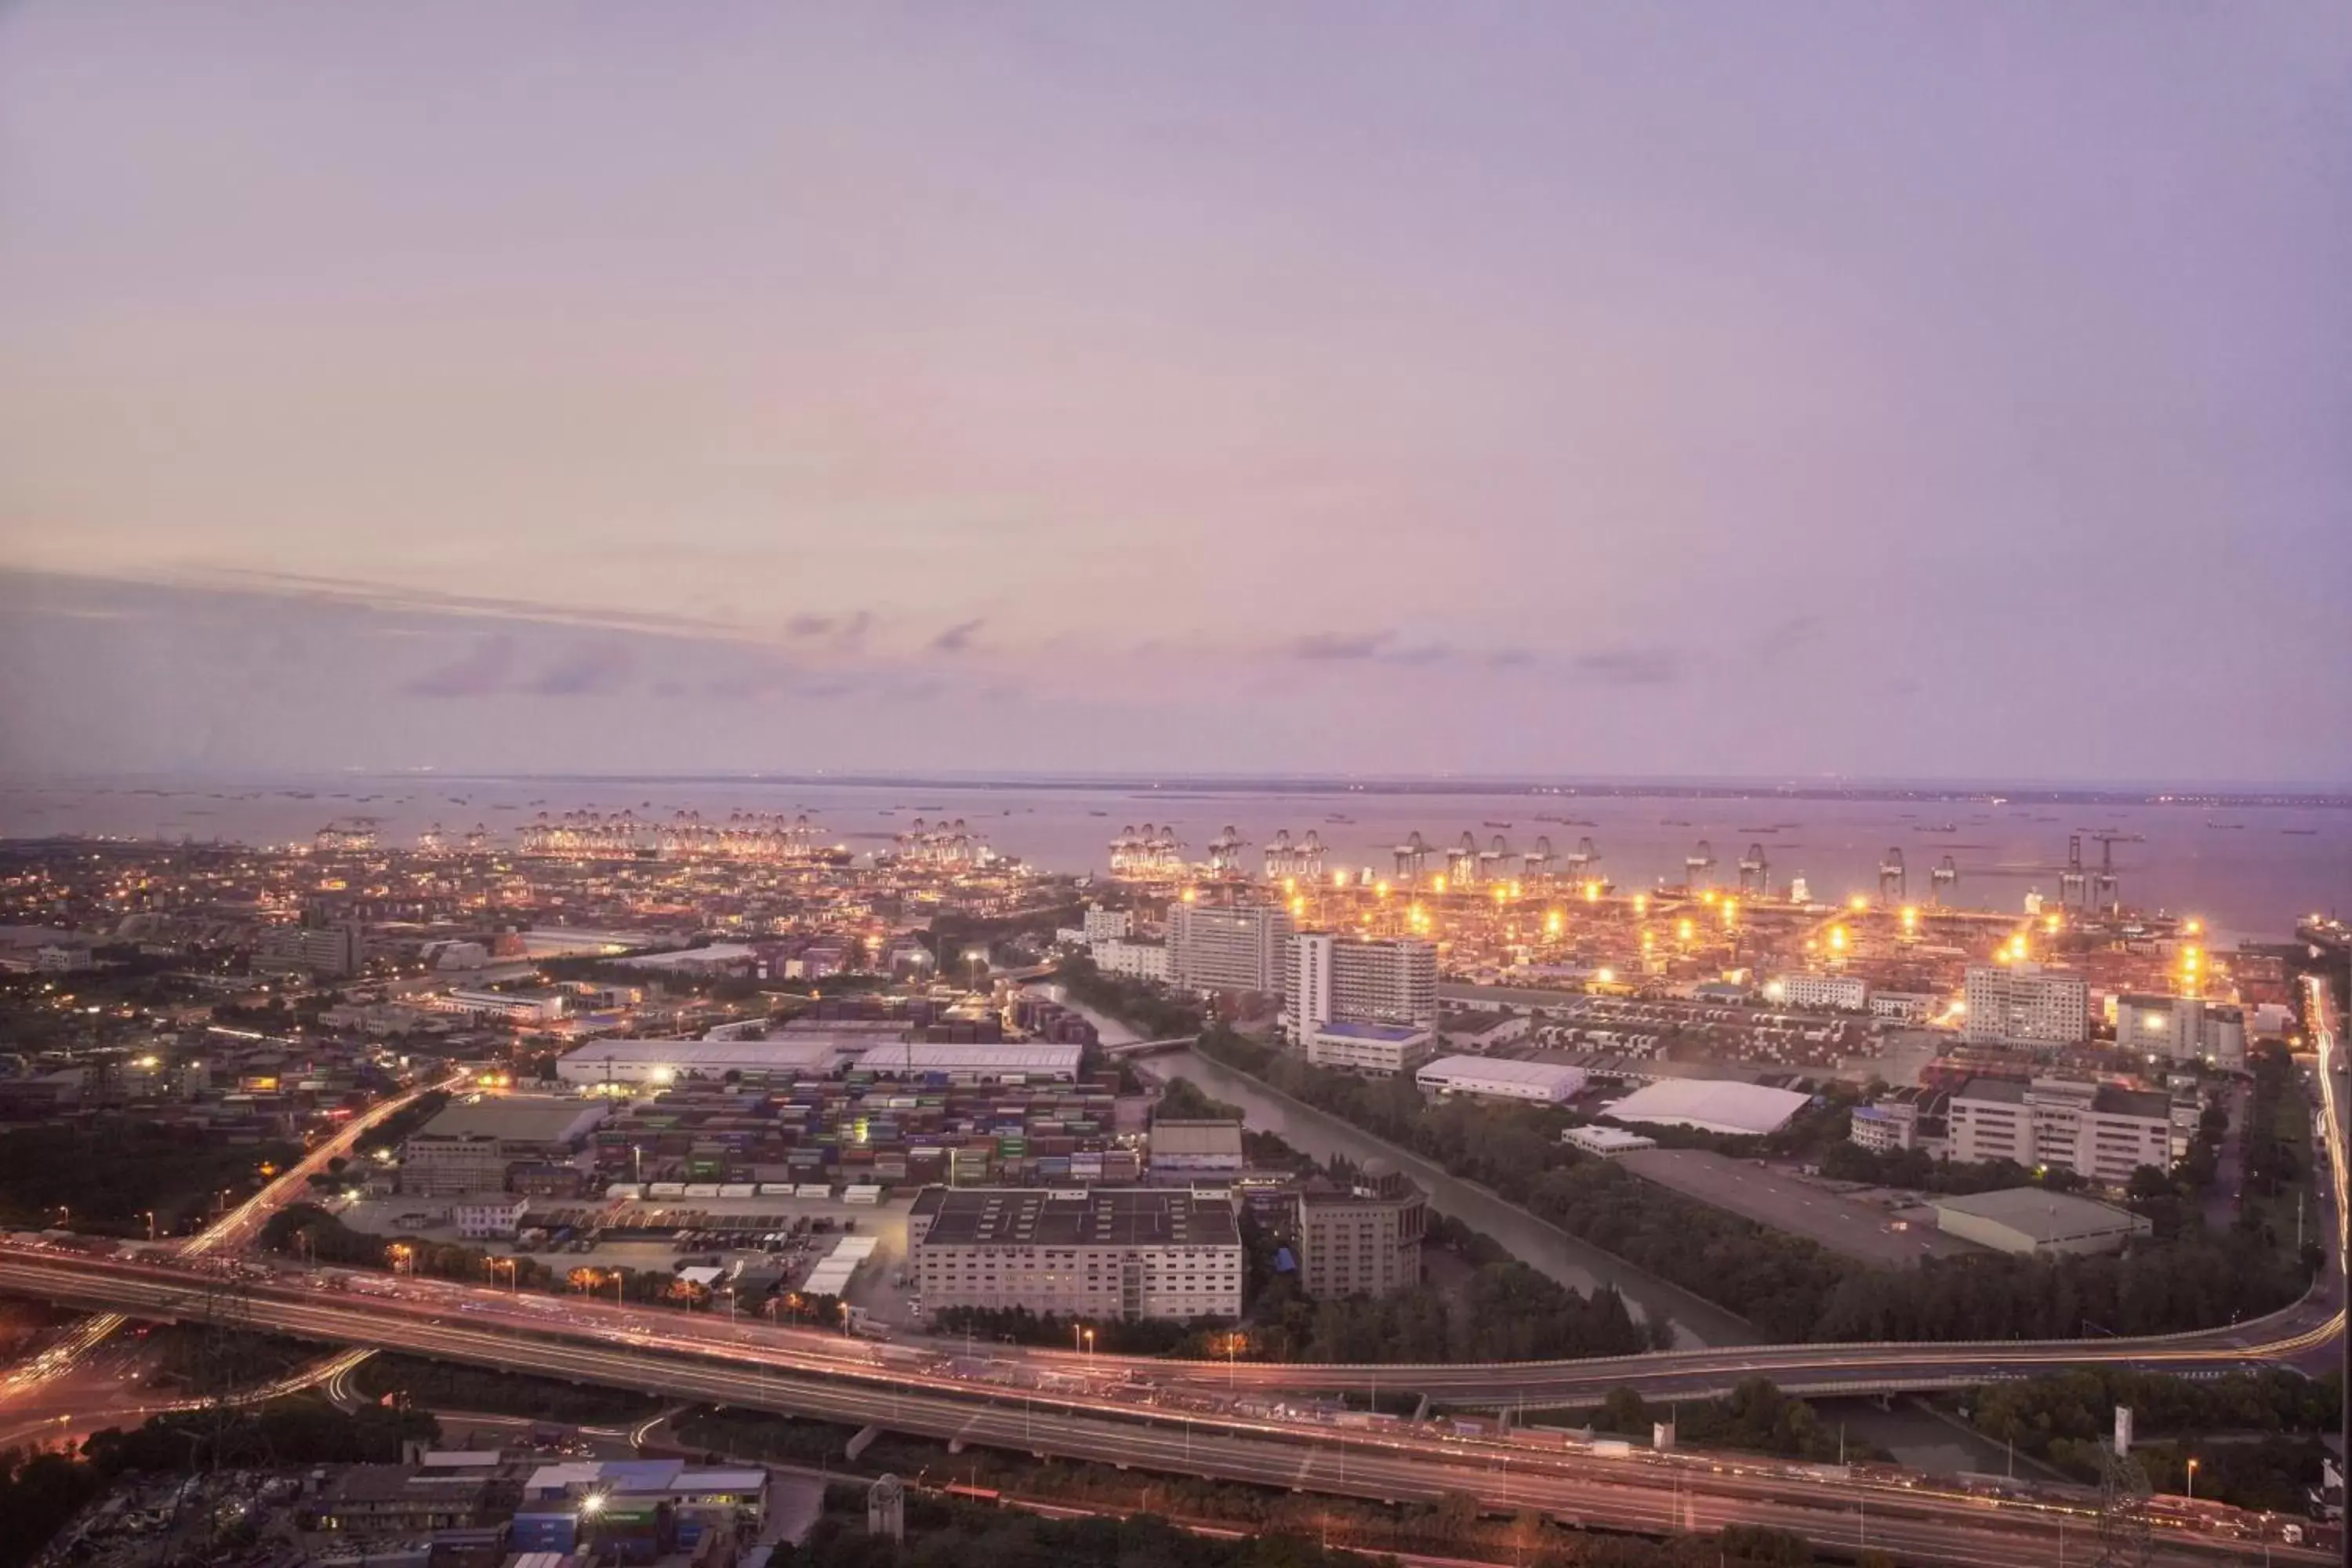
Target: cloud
<point>957,638</point>
<point>1427,653</point>
<point>1506,657</point>
<point>587,671</point>
<point>479,674</point>
<point>1779,640</point>
<point>1631,666</point>
<point>843,632</point>
<point>1333,645</point>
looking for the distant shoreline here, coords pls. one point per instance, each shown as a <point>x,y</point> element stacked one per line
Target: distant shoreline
<point>1177,786</point>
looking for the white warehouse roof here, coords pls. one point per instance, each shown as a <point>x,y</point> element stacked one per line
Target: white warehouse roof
<point>1711,1105</point>
<point>1489,1075</point>
<point>631,1061</point>
<point>1031,1058</point>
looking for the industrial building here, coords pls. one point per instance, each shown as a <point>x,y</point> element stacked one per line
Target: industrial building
<point>2097,1131</point>
<point>1138,1252</point>
<point>2024,1005</point>
<point>1498,1079</point>
<point>662,1062</point>
<point>2182,1029</point>
<point>472,1144</point>
<point>1363,1239</point>
<point>1711,1105</point>
<point>1193,1148</point>
<point>1030,1062</point>
<point>2030,1220</point>
<point>1226,949</point>
<point>1806,989</point>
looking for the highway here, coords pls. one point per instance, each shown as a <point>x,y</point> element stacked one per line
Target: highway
<point>888,1387</point>
<point>230,1232</point>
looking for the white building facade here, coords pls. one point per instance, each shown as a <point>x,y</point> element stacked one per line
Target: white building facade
<point>2097,1131</point>
<point>2024,1005</point>
<point>1223,949</point>
<point>2182,1029</point>
<point>1806,989</point>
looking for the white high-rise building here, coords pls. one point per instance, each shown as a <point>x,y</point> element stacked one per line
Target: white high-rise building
<point>1221,949</point>
<point>1371,1005</point>
<point>2024,1005</point>
<point>1143,960</point>
<point>1106,925</point>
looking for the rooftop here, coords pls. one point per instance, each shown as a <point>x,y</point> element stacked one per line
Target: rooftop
<point>513,1118</point>
<point>1500,1069</point>
<point>2042,1214</point>
<point>1196,1138</point>
<point>782,1053</point>
<point>1712,1105</point>
<point>1116,1216</point>
<point>1391,1034</point>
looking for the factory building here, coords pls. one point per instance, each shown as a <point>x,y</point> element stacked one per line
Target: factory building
<point>1211,949</point>
<point>2024,1005</point>
<point>1193,1148</point>
<point>1136,1252</point>
<point>2027,1221</point>
<point>2097,1131</point>
<point>2182,1029</point>
<point>1362,1239</point>
<point>1495,1077</point>
<point>660,1063</point>
<point>472,1145</point>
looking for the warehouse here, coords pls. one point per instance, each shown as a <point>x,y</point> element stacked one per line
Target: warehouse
<point>1129,1252</point>
<point>470,1146</point>
<point>661,1062</point>
<point>1711,1105</point>
<point>2034,1220</point>
<point>1032,1061</point>
<point>1500,1080</point>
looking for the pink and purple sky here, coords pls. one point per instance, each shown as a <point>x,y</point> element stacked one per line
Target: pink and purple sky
<point>1566,389</point>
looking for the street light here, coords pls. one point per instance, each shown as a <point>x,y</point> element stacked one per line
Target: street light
<point>2192,1480</point>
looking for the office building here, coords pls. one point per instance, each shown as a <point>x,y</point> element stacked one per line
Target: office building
<point>316,949</point>
<point>2182,1029</point>
<point>1357,980</point>
<point>1359,1240</point>
<point>2097,1131</point>
<point>1138,959</point>
<point>492,1219</point>
<point>1135,1252</point>
<point>1100,924</point>
<point>2025,1004</point>
<point>1214,949</point>
<point>1805,989</point>
<point>2027,1221</point>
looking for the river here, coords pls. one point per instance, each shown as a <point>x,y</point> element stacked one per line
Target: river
<point>1546,1247</point>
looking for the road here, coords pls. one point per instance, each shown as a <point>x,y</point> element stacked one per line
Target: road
<point>1638,1491</point>
<point>232,1230</point>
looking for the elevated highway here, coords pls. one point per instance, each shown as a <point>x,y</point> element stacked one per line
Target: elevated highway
<point>1108,1421</point>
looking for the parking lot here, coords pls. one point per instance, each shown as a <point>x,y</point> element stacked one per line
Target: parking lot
<point>1861,1231</point>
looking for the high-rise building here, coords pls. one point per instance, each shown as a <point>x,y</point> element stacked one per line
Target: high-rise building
<point>2182,1029</point>
<point>339,949</point>
<point>1105,925</point>
<point>1363,1239</point>
<point>1368,1005</point>
<point>2024,1005</point>
<point>1215,947</point>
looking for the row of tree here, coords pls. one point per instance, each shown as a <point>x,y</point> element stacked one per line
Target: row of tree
<point>1791,1287</point>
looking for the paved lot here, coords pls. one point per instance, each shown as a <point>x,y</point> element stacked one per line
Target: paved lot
<point>1792,1203</point>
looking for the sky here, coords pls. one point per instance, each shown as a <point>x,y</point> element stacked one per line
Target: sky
<point>1517,389</point>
